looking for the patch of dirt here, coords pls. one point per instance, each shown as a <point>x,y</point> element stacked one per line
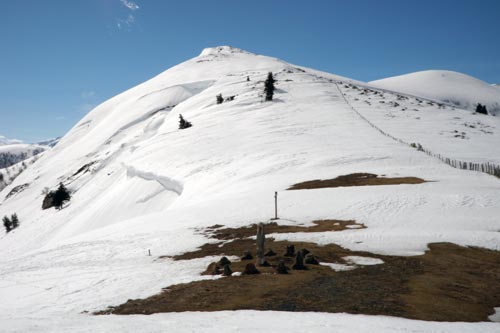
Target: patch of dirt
<point>237,241</point>
<point>218,232</point>
<point>355,179</point>
<point>447,283</point>
<point>458,284</point>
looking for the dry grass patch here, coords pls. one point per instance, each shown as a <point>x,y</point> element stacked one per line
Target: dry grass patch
<point>447,283</point>
<point>355,179</point>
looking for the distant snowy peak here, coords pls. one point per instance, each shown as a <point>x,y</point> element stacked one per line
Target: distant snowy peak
<point>49,142</point>
<point>449,87</point>
<point>15,153</point>
<point>5,141</point>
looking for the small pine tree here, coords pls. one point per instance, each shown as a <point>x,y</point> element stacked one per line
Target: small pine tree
<point>481,109</point>
<point>269,87</point>
<point>248,78</point>
<point>14,220</point>
<point>219,99</point>
<point>7,224</point>
<point>1,177</point>
<point>183,123</point>
<point>60,196</point>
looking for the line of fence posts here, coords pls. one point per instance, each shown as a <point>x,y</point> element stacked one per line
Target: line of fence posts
<point>488,168</point>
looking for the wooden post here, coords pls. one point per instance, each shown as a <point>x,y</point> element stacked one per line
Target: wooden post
<point>149,252</point>
<point>261,238</point>
<point>275,205</point>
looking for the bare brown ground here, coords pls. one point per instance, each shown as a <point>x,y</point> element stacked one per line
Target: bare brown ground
<point>355,179</point>
<point>447,283</point>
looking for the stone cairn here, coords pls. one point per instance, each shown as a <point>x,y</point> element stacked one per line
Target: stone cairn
<point>227,270</point>
<point>290,251</point>
<point>250,269</point>
<point>281,268</point>
<point>299,262</point>
<point>311,260</point>
<point>247,255</point>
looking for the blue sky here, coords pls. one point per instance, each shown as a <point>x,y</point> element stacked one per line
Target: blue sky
<point>60,58</point>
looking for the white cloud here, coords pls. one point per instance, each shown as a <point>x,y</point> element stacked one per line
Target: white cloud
<point>130,4</point>
<point>5,141</point>
<point>126,23</point>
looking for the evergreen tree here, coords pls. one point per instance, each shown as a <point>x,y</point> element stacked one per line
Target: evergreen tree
<point>219,99</point>
<point>183,123</point>
<point>60,196</point>
<point>14,220</point>
<point>481,109</point>
<point>7,224</point>
<point>1,177</point>
<point>269,87</point>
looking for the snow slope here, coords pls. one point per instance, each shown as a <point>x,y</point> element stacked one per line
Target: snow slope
<point>139,183</point>
<point>449,87</point>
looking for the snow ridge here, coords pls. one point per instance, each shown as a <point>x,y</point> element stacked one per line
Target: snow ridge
<point>168,183</point>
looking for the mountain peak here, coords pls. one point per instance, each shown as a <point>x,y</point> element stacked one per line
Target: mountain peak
<point>221,50</point>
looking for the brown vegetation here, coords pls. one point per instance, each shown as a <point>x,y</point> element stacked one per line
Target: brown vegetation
<point>447,283</point>
<point>355,179</point>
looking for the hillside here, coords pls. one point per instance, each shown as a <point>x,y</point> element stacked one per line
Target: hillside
<point>15,156</point>
<point>11,154</point>
<point>448,87</point>
<point>139,183</point>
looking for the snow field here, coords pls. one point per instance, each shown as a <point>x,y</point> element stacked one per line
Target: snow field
<point>152,186</point>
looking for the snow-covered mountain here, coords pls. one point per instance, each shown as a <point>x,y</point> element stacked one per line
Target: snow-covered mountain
<point>49,142</point>
<point>446,86</point>
<point>139,183</point>
<point>15,156</point>
<point>14,153</point>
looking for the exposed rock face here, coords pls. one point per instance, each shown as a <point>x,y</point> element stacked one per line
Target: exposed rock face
<point>47,201</point>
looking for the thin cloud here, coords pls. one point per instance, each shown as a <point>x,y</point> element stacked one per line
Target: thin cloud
<point>125,24</point>
<point>5,141</point>
<point>88,94</point>
<point>130,4</point>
